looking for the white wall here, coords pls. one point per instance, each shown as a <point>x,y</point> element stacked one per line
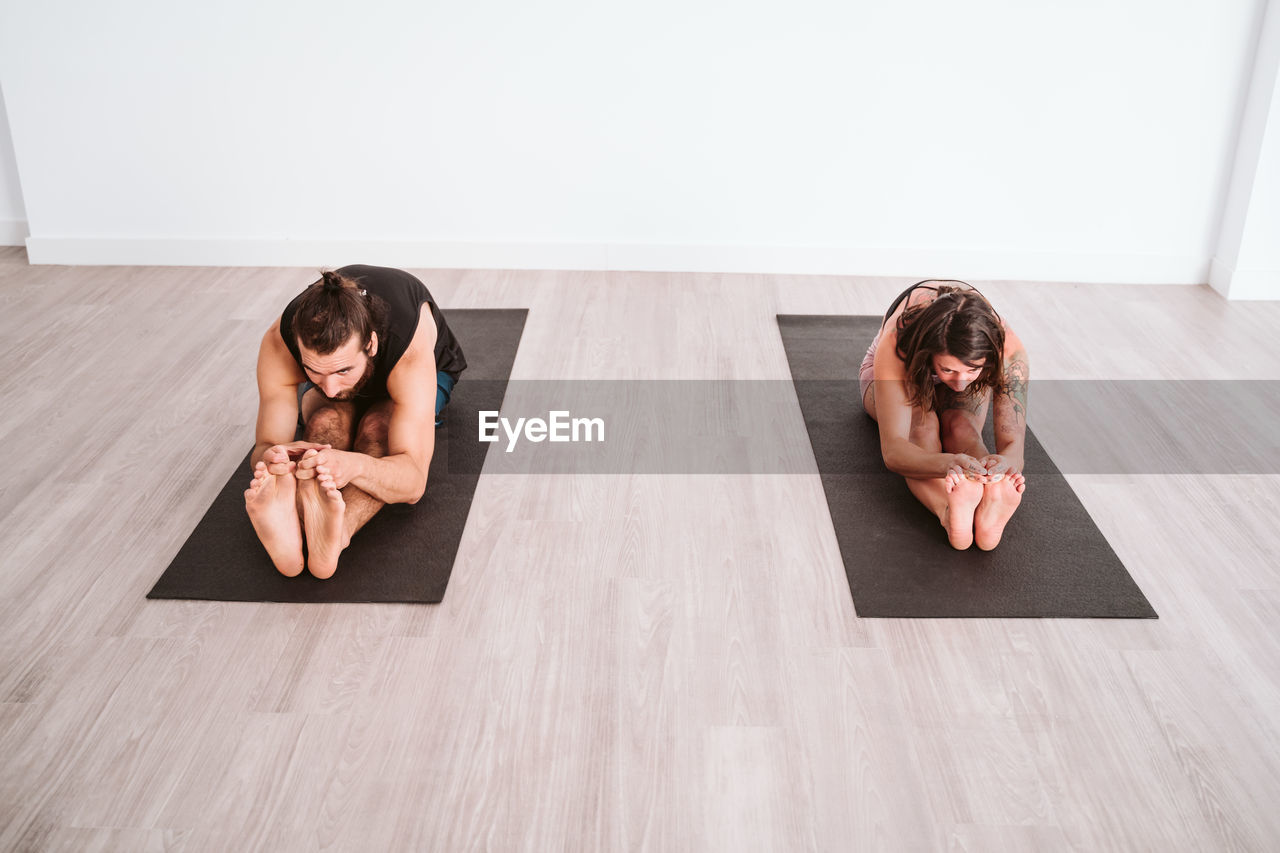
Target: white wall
<point>13,216</point>
<point>988,139</point>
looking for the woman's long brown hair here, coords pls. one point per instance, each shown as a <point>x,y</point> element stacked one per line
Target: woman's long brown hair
<point>960,323</point>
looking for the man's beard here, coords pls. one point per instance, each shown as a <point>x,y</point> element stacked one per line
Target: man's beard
<point>350,394</point>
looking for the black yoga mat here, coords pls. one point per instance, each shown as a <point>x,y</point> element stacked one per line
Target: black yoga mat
<point>1051,561</point>
<point>405,553</point>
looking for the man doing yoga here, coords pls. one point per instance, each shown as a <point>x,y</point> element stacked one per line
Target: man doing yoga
<point>940,359</point>
<point>354,363</point>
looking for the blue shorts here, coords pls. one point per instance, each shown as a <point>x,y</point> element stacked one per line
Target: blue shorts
<point>444,390</point>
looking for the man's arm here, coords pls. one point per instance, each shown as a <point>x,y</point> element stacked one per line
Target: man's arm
<point>1009,412</point>
<point>278,378</point>
<point>401,475</point>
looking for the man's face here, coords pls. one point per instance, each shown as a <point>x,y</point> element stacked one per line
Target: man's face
<point>342,373</point>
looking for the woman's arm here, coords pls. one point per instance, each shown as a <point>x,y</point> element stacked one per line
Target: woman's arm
<point>1009,410</point>
<point>893,412</point>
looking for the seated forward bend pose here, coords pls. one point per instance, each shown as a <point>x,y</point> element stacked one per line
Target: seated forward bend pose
<point>940,359</point>
<point>354,362</point>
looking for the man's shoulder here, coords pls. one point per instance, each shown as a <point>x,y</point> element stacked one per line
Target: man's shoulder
<point>418,360</point>
<point>422,346</point>
<point>412,381</point>
<point>276,361</point>
<point>273,340</point>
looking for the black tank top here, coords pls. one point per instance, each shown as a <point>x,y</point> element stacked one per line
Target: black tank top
<point>404,296</point>
<point>906,294</point>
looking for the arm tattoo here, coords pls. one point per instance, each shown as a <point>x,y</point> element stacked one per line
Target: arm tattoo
<point>1013,392</point>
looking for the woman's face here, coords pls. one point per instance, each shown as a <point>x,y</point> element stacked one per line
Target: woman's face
<point>954,373</point>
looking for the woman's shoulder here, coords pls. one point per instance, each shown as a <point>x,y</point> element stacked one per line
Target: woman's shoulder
<point>1012,343</point>
<point>888,364</point>
<point>888,337</point>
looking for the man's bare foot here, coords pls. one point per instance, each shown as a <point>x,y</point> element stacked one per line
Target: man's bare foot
<point>963,496</point>
<point>999,500</point>
<point>323,511</point>
<point>270,502</point>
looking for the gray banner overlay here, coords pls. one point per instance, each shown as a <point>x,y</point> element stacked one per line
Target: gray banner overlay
<point>755,427</point>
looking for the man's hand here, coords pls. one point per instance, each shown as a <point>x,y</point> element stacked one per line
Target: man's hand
<point>341,465</point>
<point>998,467</point>
<point>283,458</point>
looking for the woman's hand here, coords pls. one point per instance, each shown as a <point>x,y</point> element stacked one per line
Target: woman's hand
<point>966,466</point>
<point>998,467</point>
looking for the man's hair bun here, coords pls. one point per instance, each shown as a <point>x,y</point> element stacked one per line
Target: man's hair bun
<point>331,282</point>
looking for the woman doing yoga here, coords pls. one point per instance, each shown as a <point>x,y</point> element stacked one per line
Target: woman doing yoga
<point>941,359</point>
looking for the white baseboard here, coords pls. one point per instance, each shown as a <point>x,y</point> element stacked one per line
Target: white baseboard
<point>1244,284</point>
<point>781,260</point>
<point>13,232</point>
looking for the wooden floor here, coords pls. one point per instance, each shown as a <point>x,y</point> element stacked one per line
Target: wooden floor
<point>621,662</point>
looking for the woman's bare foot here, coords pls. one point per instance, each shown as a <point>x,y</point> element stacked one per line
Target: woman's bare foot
<point>999,500</point>
<point>323,511</point>
<point>270,502</point>
<point>963,496</point>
